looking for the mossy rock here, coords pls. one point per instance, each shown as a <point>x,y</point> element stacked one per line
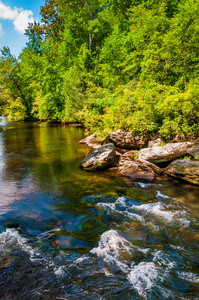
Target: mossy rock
<point>101,158</point>
<point>187,170</point>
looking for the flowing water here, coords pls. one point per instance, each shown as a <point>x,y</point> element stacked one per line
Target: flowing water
<point>69,234</point>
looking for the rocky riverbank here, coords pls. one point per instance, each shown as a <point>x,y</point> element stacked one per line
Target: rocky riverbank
<point>177,160</point>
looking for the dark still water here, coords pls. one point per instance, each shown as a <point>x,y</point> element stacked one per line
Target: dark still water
<point>69,234</point>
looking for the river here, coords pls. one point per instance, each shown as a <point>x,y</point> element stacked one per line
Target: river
<point>70,234</point>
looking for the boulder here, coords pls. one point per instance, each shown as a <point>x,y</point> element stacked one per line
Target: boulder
<point>166,153</point>
<point>125,139</point>
<point>135,170</point>
<point>101,158</point>
<point>91,141</point>
<point>184,169</point>
<point>155,168</point>
<point>131,155</point>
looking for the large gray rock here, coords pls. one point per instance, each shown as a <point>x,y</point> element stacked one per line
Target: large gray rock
<point>184,169</point>
<point>101,158</point>
<point>125,139</point>
<point>166,153</point>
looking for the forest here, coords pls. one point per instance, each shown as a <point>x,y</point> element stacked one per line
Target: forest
<point>108,64</point>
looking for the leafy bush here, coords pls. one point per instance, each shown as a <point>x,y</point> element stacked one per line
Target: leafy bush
<point>180,112</point>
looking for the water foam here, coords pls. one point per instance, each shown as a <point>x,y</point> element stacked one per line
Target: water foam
<point>59,272</point>
<point>160,195</point>
<point>10,239</point>
<point>143,277</point>
<point>157,209</point>
<point>140,212</point>
<point>147,275</point>
<point>188,276</point>
<point>121,207</point>
<point>112,248</point>
<point>161,259</point>
<point>145,185</point>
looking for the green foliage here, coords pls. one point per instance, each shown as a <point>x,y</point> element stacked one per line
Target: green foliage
<point>136,152</point>
<point>187,157</point>
<point>133,109</point>
<point>109,64</point>
<point>15,85</point>
<point>150,107</point>
<point>15,110</point>
<point>180,113</point>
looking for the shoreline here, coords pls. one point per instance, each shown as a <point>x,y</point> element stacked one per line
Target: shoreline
<point>178,161</point>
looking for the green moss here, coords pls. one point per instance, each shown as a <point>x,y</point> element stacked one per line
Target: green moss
<point>97,165</point>
<point>187,157</point>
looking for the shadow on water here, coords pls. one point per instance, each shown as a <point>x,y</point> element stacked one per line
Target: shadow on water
<point>70,234</point>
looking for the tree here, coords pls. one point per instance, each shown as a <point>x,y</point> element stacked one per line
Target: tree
<point>181,43</point>
<point>14,84</point>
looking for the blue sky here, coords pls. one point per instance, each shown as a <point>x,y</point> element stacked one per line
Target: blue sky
<point>14,17</point>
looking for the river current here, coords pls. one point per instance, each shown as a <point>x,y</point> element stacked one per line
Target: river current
<point>70,234</point>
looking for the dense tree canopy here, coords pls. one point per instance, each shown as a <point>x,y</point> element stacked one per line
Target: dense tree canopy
<point>109,64</point>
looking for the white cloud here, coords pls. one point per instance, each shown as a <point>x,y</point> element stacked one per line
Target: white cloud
<point>22,20</point>
<point>7,13</point>
<point>20,17</point>
<point>1,31</point>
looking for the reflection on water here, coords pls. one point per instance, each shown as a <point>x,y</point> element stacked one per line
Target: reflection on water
<point>70,234</point>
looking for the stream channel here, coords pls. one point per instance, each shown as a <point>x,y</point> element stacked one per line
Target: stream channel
<point>70,234</point>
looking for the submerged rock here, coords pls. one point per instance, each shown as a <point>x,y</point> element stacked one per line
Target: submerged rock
<point>76,124</point>
<point>125,139</point>
<point>184,169</point>
<point>101,158</point>
<point>91,141</point>
<point>166,153</point>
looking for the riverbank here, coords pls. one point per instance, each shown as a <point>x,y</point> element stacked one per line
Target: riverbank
<point>177,160</point>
